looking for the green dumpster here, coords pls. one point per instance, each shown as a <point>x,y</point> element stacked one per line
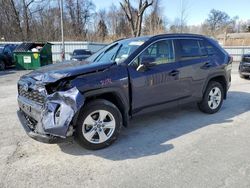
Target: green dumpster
<point>30,56</point>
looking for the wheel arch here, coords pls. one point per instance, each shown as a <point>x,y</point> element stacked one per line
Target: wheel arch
<point>218,78</point>
<point>114,96</point>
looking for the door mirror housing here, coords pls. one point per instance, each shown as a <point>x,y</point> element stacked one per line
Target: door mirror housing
<point>146,63</point>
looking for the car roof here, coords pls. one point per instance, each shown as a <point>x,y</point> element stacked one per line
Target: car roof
<point>176,35</point>
<point>161,36</point>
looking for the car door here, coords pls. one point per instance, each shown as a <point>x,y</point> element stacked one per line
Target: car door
<point>194,66</point>
<point>159,82</point>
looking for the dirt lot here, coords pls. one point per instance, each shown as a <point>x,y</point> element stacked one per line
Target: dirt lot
<point>173,148</point>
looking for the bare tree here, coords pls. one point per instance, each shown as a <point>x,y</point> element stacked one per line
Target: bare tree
<point>217,21</point>
<point>113,17</point>
<point>102,30</point>
<point>154,22</point>
<point>80,12</point>
<point>245,26</point>
<point>183,15</point>
<point>135,16</point>
<point>29,8</point>
<point>10,23</point>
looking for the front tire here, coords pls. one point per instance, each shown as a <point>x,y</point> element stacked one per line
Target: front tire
<point>99,124</point>
<point>212,98</point>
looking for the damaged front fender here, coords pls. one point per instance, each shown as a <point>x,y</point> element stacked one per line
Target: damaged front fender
<point>55,116</point>
<point>59,110</point>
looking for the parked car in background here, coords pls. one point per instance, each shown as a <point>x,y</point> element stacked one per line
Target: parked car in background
<point>93,99</point>
<point>244,68</point>
<point>6,56</point>
<point>80,54</point>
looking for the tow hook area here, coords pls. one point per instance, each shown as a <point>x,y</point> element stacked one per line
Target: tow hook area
<point>59,110</point>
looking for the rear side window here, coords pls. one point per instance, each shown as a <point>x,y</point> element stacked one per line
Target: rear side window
<point>211,50</point>
<point>214,50</point>
<point>190,48</point>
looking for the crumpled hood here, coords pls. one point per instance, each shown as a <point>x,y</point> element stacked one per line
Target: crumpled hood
<point>55,72</point>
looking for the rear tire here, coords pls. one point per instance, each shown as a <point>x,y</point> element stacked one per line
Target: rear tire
<point>99,124</point>
<point>212,98</point>
<point>2,66</point>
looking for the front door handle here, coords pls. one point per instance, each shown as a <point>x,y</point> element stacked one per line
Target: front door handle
<point>174,73</point>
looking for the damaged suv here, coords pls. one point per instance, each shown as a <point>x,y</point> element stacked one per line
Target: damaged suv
<point>93,99</point>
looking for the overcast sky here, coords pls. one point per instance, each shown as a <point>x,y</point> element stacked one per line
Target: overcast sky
<point>197,10</point>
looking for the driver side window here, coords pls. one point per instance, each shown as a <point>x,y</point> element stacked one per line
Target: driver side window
<point>158,53</point>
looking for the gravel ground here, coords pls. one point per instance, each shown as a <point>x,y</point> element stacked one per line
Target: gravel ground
<point>172,148</point>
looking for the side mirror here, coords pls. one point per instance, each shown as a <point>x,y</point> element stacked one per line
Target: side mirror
<point>146,63</point>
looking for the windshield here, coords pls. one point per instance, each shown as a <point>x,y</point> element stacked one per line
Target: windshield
<point>1,49</point>
<point>118,51</point>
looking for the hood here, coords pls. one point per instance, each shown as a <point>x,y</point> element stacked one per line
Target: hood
<point>55,72</point>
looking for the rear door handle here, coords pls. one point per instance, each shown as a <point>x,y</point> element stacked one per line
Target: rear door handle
<point>206,65</point>
<point>174,73</point>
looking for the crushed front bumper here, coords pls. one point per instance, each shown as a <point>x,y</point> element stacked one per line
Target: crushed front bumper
<point>38,137</point>
<point>52,121</point>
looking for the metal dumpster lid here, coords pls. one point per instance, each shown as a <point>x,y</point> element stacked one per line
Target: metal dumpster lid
<point>26,46</point>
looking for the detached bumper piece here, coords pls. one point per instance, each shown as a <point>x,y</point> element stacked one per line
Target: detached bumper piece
<point>50,123</point>
<point>25,122</point>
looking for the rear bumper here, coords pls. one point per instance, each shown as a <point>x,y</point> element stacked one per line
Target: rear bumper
<point>38,137</point>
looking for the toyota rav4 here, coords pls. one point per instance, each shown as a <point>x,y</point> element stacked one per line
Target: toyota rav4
<point>93,99</point>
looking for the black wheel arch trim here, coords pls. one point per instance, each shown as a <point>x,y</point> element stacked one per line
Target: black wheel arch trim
<point>213,76</point>
<point>119,94</point>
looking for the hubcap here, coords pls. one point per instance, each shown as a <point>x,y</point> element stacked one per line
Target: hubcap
<point>214,98</point>
<point>98,126</point>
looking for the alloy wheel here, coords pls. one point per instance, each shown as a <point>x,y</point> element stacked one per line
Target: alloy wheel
<point>98,126</point>
<point>214,98</point>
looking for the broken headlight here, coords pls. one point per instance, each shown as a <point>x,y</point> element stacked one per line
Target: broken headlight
<point>62,85</point>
